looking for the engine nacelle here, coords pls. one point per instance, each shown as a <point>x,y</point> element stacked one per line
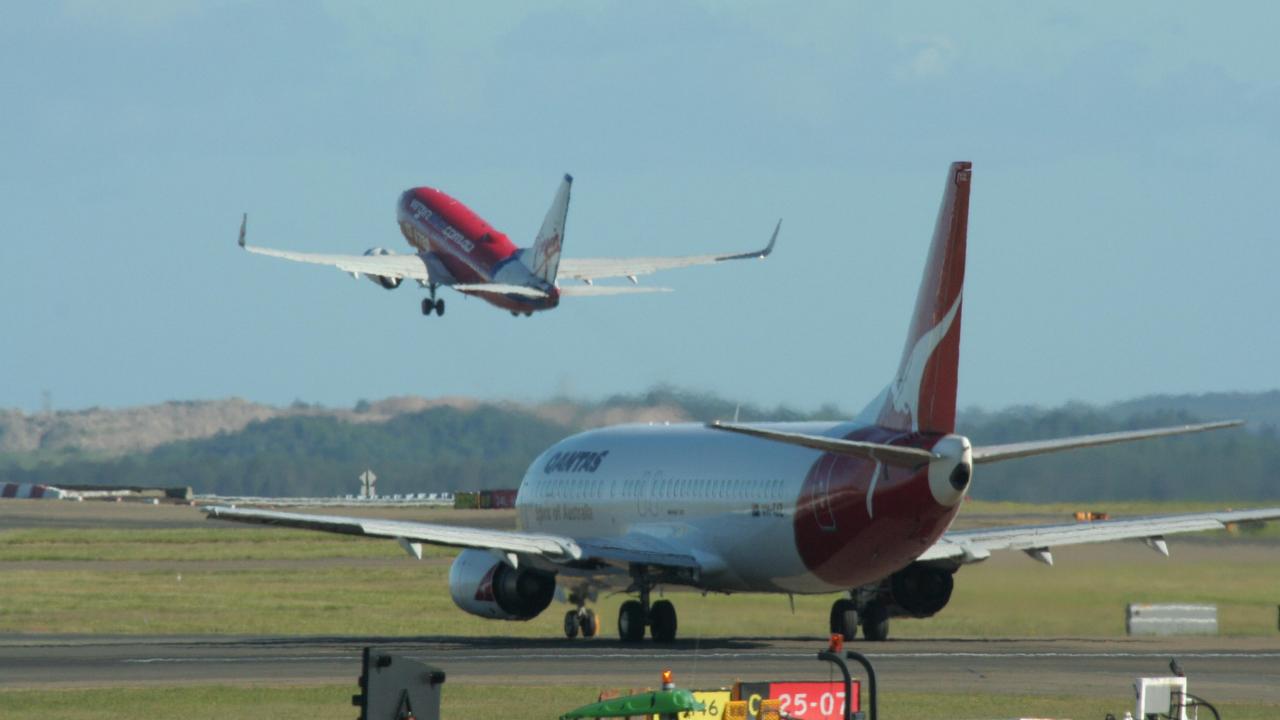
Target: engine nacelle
<point>483,585</point>
<point>389,283</point>
<point>919,590</point>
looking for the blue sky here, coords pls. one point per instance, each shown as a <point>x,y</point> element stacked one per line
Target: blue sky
<point>1122,235</point>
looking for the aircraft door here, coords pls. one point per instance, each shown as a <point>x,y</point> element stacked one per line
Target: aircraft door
<point>823,514</point>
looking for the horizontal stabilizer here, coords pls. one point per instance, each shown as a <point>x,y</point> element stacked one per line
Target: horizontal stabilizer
<point>595,290</point>
<point>888,454</point>
<point>996,453</point>
<point>500,289</point>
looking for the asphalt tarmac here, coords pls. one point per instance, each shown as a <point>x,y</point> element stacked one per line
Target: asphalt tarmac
<point>1236,669</point>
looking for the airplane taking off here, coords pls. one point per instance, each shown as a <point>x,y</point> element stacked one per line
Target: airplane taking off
<point>456,248</point>
<point>862,506</point>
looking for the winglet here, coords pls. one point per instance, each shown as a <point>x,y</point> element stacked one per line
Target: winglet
<point>243,222</point>
<point>762,254</point>
<point>769,248</point>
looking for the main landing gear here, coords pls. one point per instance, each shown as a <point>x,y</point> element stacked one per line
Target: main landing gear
<point>873,617</point>
<point>431,304</point>
<point>919,590</point>
<point>634,615</point>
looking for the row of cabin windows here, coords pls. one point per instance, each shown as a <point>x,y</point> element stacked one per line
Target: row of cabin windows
<point>665,488</point>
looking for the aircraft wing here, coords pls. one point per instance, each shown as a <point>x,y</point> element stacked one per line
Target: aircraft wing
<point>391,265</point>
<point>968,546</point>
<point>557,549</point>
<point>588,269</point>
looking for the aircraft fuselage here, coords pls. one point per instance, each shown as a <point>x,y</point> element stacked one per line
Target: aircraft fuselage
<point>757,515</point>
<point>468,248</point>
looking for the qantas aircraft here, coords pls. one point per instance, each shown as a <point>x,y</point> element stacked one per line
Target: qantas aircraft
<point>454,247</point>
<point>861,507</point>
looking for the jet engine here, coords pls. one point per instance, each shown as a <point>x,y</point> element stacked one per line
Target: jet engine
<point>390,283</point>
<point>484,585</point>
<point>919,590</point>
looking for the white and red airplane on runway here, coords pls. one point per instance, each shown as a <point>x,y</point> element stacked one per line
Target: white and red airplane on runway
<point>456,248</point>
<point>862,506</point>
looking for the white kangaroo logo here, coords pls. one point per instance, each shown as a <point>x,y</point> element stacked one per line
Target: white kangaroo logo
<point>905,395</point>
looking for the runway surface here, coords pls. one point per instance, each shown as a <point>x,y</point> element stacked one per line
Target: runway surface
<point>1239,669</point>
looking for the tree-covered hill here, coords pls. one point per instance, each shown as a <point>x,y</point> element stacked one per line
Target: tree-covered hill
<point>430,446</point>
<point>439,449</point>
<point>1234,464</point>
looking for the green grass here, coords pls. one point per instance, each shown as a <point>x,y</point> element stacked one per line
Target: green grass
<point>1008,596</point>
<point>192,545</point>
<point>508,702</point>
<point>1009,599</point>
<point>1017,597</point>
<point>120,590</point>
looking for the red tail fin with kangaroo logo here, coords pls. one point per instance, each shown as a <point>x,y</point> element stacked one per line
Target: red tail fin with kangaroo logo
<point>922,396</point>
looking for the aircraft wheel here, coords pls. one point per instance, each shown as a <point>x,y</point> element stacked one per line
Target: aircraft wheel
<point>427,306</point>
<point>440,306</point>
<point>844,619</point>
<point>589,622</point>
<point>571,624</point>
<point>875,623</point>
<point>631,621</point>
<point>662,621</point>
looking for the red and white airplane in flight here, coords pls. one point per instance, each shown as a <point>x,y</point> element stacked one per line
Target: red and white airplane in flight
<point>861,507</point>
<point>454,247</point>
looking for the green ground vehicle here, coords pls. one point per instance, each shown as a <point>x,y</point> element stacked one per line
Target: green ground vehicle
<point>666,703</point>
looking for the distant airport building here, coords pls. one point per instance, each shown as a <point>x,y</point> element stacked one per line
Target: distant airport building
<point>485,500</point>
<point>27,491</point>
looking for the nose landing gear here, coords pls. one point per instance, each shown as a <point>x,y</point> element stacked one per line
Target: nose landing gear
<point>582,620</point>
